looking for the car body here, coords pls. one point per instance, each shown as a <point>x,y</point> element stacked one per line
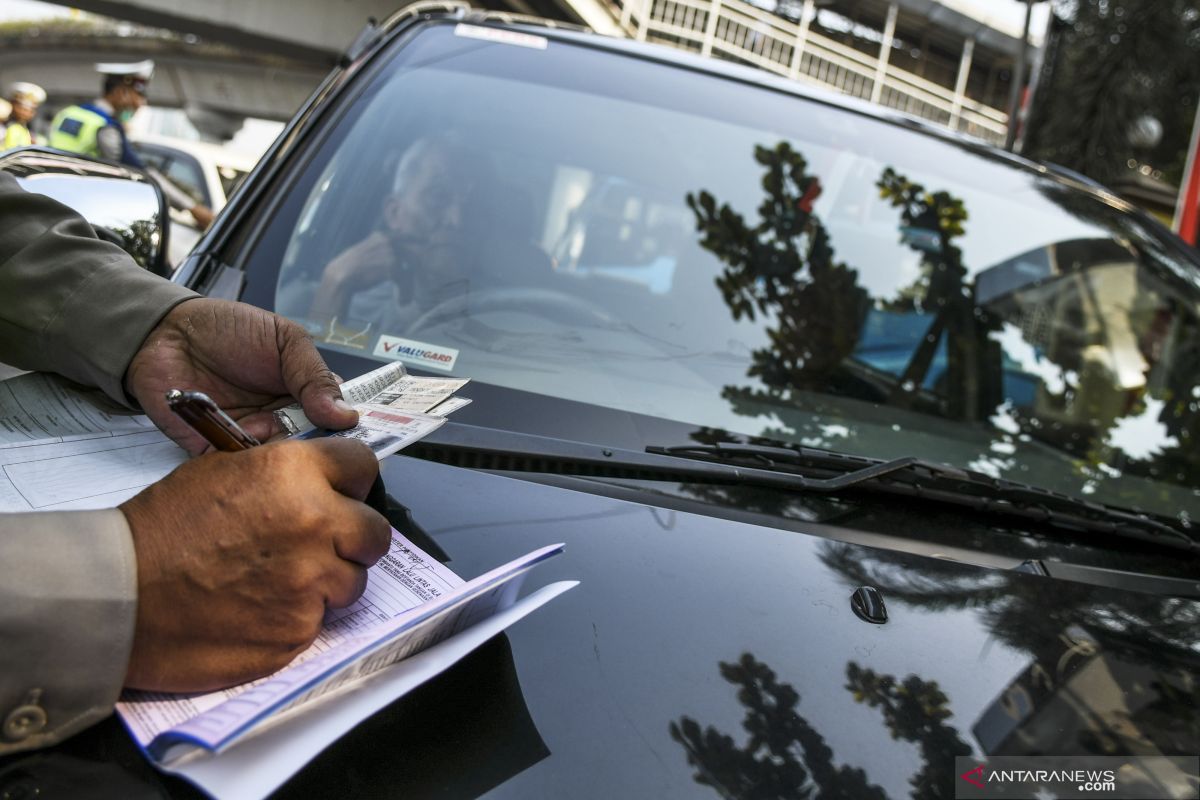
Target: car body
<point>728,636</point>
<point>208,173</point>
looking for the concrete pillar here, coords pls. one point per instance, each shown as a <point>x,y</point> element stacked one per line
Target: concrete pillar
<point>960,85</point>
<point>801,37</point>
<point>710,28</point>
<point>647,7</point>
<point>885,50</point>
<point>626,14</point>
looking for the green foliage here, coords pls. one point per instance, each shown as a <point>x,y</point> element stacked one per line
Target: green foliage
<point>943,275</point>
<point>1111,62</point>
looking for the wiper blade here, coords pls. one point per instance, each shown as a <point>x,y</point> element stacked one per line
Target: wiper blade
<point>829,472</point>
<point>799,469</point>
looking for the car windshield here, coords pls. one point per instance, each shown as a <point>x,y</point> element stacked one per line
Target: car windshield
<point>556,218</point>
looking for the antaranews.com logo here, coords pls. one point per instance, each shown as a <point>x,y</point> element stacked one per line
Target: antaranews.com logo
<point>1066,777</point>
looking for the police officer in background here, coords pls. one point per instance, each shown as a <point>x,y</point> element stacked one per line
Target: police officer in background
<point>97,129</point>
<point>25,99</point>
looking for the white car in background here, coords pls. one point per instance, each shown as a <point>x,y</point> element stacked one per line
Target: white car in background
<point>207,172</point>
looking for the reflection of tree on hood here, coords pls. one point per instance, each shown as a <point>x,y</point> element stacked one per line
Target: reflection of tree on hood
<point>784,269</point>
<point>1045,618</point>
<point>785,757</point>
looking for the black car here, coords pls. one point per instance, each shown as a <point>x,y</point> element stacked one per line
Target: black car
<point>871,446</point>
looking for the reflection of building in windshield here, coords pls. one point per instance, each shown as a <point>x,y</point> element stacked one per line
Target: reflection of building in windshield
<point>1077,700</point>
<point>1088,338</point>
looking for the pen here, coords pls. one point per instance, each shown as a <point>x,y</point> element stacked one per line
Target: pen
<point>221,431</point>
<point>207,419</point>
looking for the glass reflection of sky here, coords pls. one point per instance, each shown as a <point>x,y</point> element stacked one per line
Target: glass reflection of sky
<point>110,202</point>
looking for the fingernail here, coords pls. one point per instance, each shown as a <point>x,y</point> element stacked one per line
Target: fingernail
<point>341,405</point>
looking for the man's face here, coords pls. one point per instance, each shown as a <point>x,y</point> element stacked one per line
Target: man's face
<point>428,209</point>
<point>22,111</point>
<point>126,99</point>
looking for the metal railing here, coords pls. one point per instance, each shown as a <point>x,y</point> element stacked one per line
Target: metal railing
<point>737,31</point>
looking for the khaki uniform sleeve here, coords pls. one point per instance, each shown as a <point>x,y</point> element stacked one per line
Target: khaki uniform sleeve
<point>68,586</point>
<point>72,304</point>
<point>80,307</point>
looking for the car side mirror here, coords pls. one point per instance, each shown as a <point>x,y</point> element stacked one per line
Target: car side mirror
<point>123,204</point>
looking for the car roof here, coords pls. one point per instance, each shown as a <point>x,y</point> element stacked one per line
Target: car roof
<point>205,152</point>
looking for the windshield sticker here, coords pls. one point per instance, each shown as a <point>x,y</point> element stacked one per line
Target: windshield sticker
<point>503,37</point>
<point>418,353</point>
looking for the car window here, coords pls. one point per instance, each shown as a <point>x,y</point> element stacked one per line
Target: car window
<point>183,170</point>
<point>602,229</point>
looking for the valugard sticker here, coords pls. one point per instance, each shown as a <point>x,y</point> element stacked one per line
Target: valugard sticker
<point>416,353</point>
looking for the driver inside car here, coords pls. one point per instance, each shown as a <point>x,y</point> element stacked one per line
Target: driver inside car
<point>417,254</point>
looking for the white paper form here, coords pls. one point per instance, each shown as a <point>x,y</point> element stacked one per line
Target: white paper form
<point>388,386</point>
<point>258,765</point>
<point>355,391</point>
<point>169,727</point>
<point>65,448</point>
<point>417,394</point>
<point>403,579</point>
<point>36,408</point>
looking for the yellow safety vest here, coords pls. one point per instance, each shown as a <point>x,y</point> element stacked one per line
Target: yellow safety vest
<point>15,135</point>
<point>74,129</point>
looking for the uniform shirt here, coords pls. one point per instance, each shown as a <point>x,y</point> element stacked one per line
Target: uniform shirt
<point>68,579</point>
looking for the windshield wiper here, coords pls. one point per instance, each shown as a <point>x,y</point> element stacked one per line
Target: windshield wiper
<point>830,472</point>
<point>799,469</point>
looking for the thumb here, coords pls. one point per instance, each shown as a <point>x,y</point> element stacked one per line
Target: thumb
<point>309,380</point>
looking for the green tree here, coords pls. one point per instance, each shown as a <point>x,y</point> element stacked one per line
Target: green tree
<point>1109,63</point>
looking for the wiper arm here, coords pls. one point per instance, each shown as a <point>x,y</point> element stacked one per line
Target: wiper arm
<point>788,469</point>
<point>940,482</point>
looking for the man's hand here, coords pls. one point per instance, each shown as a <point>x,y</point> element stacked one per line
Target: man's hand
<point>249,361</point>
<point>203,215</point>
<point>361,266</point>
<point>239,555</point>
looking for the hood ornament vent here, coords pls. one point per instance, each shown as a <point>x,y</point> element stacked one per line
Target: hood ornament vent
<point>868,605</point>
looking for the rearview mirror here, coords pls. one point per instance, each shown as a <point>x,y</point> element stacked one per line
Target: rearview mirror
<point>122,203</point>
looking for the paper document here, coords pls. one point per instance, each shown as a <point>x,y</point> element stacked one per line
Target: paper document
<point>392,386</point>
<point>386,430</point>
<point>63,448</point>
<point>37,408</point>
<point>411,603</point>
<point>66,448</point>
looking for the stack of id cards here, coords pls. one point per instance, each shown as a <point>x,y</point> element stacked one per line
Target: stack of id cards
<point>394,408</point>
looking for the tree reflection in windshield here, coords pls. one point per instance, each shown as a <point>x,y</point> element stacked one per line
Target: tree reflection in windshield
<point>1077,344</point>
<point>783,269</point>
<point>785,757</point>
<point>929,223</point>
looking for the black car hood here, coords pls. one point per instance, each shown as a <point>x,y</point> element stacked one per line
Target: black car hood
<point>700,651</point>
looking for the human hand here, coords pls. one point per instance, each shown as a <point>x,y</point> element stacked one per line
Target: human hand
<point>249,361</point>
<point>240,554</point>
<point>359,267</point>
<point>203,215</point>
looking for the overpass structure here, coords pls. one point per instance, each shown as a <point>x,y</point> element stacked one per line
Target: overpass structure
<point>218,85</point>
<point>938,59</point>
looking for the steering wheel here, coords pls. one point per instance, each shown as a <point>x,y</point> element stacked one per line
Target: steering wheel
<point>550,304</point>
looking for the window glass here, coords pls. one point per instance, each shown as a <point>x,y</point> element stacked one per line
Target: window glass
<point>607,230</point>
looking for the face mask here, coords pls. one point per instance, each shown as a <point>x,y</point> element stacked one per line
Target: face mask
<point>124,115</point>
